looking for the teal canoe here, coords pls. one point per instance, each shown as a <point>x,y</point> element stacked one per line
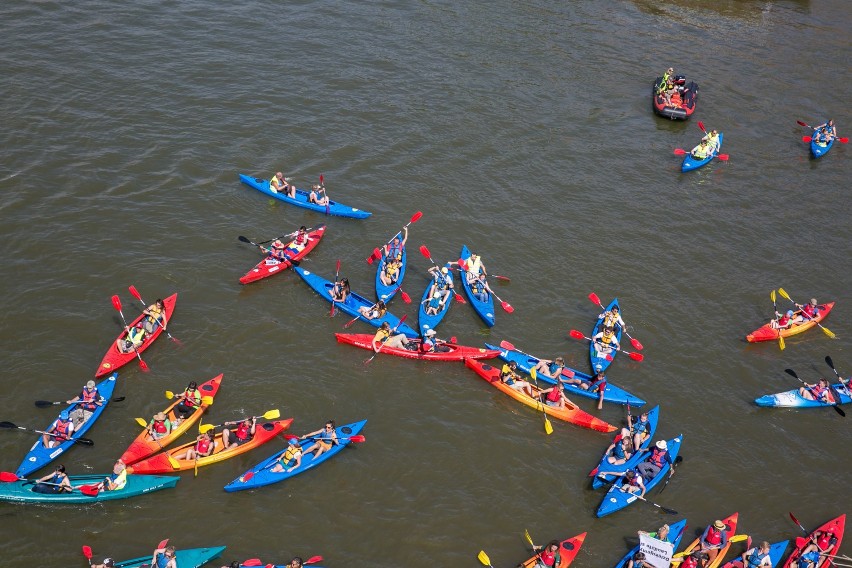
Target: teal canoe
<point>186,558</point>
<point>22,491</point>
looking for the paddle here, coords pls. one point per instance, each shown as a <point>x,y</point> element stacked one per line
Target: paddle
<point>663,509</point>
<point>138,296</point>
<point>671,473</point>
<point>116,303</point>
<point>46,403</point>
<point>634,342</point>
<point>336,275</point>
<point>268,415</point>
<point>87,490</point>
<point>548,427</point>
<point>370,360</point>
<point>293,234</point>
<point>327,200</point>
<point>781,343</point>
<point>807,125</point>
<point>484,558</point>
<point>837,409</point>
<point>208,400</point>
<point>824,329</point>
<point>578,335</point>
<point>9,477</point>
<point>425,252</point>
<point>87,552</point>
<point>355,439</point>
<point>290,259</point>
<point>846,383</point>
<point>505,305</point>
<point>377,253</point>
<point>84,441</point>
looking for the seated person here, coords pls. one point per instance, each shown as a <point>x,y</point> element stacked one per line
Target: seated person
<point>479,288</point>
<point>597,383</point>
<point>280,184</point>
<point>59,431</point>
<point>555,396</point>
<point>390,271</point>
<point>605,342</point>
<point>431,344</point>
<point>434,304</point>
<point>621,449</point>
<point>340,291</point>
<point>299,242</point>
<point>550,369</point>
<point>757,556</point>
<point>318,195</point>
<point>160,426</point>
<point>205,446</point>
<point>290,459</point>
<point>117,480</point>
<point>133,339</point>
<point>442,283</point>
<point>640,429</point>
<point>243,432</point>
<point>702,151</point>
<point>56,482</point>
<point>383,337</point>
<point>509,376</point>
<point>277,252</point>
<point>155,316</point>
<point>377,310</point>
<point>324,439</point>
<point>658,458</point>
<point>821,392</point>
<point>809,310</point>
<point>87,402</point>
<point>633,483</point>
<point>638,561</point>
<point>820,542</point>
<point>782,321</point>
<point>190,401</point>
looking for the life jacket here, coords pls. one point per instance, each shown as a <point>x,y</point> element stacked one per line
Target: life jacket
<point>155,314</point>
<point>689,562</point>
<point>192,398</point>
<point>817,390</point>
<point>640,426</point>
<point>395,251</point>
<point>477,286</point>
<point>554,395</point>
<point>676,100</point>
<point>784,320</point>
<point>548,558</point>
<point>160,427</point>
<point>755,558</point>
<point>607,337</point>
<point>242,431</point>
<point>301,239</point>
<point>203,446</point>
<point>391,269</point>
<point>507,374</point>
<point>657,457</point>
<point>618,450</point>
<point>88,398</point>
<point>554,368</point>
<point>810,311</point>
<point>136,334</point>
<point>291,453</point>
<point>162,560</point>
<point>434,302</point>
<point>119,479</point>
<point>381,336</point>
<point>824,540</point>
<point>610,319</point>
<point>635,481</point>
<point>58,478</point>
<point>714,536</point>
<point>62,428</point>
<point>475,267</point>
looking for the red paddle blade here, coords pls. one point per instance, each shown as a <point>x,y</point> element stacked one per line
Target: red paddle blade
<point>245,478</point>
<point>723,157</point>
<point>338,265</point>
<point>594,298</point>
<point>462,264</point>
<point>508,307</point>
<point>844,140</point>
<point>679,152</point>
<point>357,439</point>
<point>454,339</point>
<point>568,373</point>
<point>322,179</point>
<point>636,345</point>
<point>594,472</point>
<point>506,345</point>
<point>313,560</point>
<point>402,319</point>
<point>87,551</point>
<point>163,543</point>
<point>608,358</point>
<point>425,252</point>
<point>701,126</point>
<point>806,138</point>
<point>416,216</point>
<point>289,436</point>
<point>89,490</point>
<point>116,302</point>
<point>8,476</point>
<point>252,562</point>
<point>134,292</point>
<point>576,334</point>
<point>405,297</point>
<point>800,123</point>
<point>459,299</point>
<point>143,365</point>
<point>636,356</point>
<point>498,277</point>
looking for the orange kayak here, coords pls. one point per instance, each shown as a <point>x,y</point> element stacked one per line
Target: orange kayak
<point>160,463</point>
<point>571,413</point>
<point>768,333</point>
<point>568,550</point>
<point>144,446</point>
<point>731,523</point>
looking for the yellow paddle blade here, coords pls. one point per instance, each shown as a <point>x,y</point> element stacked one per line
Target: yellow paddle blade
<point>781,343</point>
<point>484,558</point>
<point>548,427</point>
<point>534,374</point>
<point>196,467</point>
<point>828,332</point>
<point>772,296</point>
<point>784,294</point>
<point>272,414</point>
<point>207,400</point>
<point>170,395</point>
<point>528,537</point>
<point>738,538</point>
<point>205,428</point>
<point>174,463</point>
<point>141,422</point>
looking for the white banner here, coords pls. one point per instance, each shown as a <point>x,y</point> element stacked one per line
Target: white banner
<point>658,553</point>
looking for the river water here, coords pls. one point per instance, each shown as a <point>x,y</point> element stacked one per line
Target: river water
<point>522,129</point>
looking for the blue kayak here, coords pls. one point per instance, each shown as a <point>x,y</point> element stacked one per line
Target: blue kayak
<point>186,558</point>
<point>593,353</point>
<point>819,150</point>
<point>301,200</point>
<point>690,163</point>
<point>22,491</point>
<point>675,536</point>
<point>485,310</point>
<point>323,287</point>
<point>612,393</point>
<point>262,474</point>
<point>616,499</point>
<point>39,456</point>
<point>431,321</point>
<point>792,398</point>
<point>383,292</point>
<point>776,552</point>
<point>599,481</point>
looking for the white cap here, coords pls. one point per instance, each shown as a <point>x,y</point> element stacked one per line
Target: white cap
<point>661,444</point>
<point>430,333</point>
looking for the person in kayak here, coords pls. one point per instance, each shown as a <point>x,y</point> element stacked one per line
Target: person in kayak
<point>555,396</point>
<point>550,369</point>
<point>661,534</point>
<point>56,482</point>
<point>280,184</point>
<point>390,271</point>
<point>290,459</point>
<point>638,561</point>
<point>474,267</point>
<point>809,310</point>
<point>612,317</point>
<point>108,563</point>
<point>394,249</point>
<point>712,139</point>
<point>59,431</point>
<point>509,376</point>
<point>324,439</point>
<point>377,310</point>
<point>697,559</point>
<point>757,556</point>
<point>548,556</point>
<point>86,403</point>
<point>640,429</point>
<point>164,558</point>
<point>825,133</point>
<point>299,242</point>
<point>479,288</point>
<point>597,384</point>
<point>633,483</point>
<point>204,447</point>
<point>190,400</point>
<point>160,426</point>
<point>658,457</point>
<point>433,304</point>
<point>821,542</point>
<point>605,342</point>
<point>702,151</point>
<point>277,252</point>
<point>442,284</point>
<point>384,337</point>
<point>132,339</point>
<point>820,392</point>
<point>340,291</point>
<point>784,321</point>
<point>116,480</point>
<point>318,196</point>
<point>155,316</point>
<point>713,539</point>
<point>668,77</point>
<point>431,344</point>
<point>243,432</point>
<point>620,450</point>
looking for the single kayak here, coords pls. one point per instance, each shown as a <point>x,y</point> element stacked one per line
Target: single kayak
<point>301,200</point>
<point>161,463</point>
<point>599,480</point>
<point>776,551</point>
<point>323,287</point>
<point>674,537</point>
<point>682,102</point>
<point>262,474</point>
<point>731,524</point>
<point>456,352</point>
<point>571,413</point>
<point>484,310</point>
<point>144,446</point>
<point>568,550</point>
<point>612,393</point>
<point>39,456</point>
<point>617,499</point>
<point>270,266</point>
<point>792,399</point>
<point>430,321</point>
<point>22,491</point>
<point>115,358</point>
<point>594,359</point>
<point>819,150</point>
<point>690,163</point>
<point>186,558</point>
<point>836,527</point>
<point>767,333</point>
<point>387,293</point>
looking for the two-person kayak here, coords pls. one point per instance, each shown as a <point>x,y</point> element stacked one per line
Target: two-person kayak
<point>270,266</point>
<point>454,352</point>
<point>21,491</point>
<point>674,537</point>
<point>602,473</point>
<point>690,162</point>
<point>302,200</point>
<point>768,333</point>
<point>186,558</point>
<point>114,358</point>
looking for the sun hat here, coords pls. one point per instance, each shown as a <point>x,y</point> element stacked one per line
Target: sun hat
<point>430,333</point>
<point>159,416</point>
<point>719,525</point>
<point>662,445</point>
<point>64,415</point>
<point>789,313</point>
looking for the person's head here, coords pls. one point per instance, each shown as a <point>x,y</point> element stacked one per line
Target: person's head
<point>296,562</point>
<point>643,416</point>
<point>205,435</point>
<point>598,369</point>
<point>192,385</point>
<point>280,176</point>
<point>559,361</point>
<point>109,563</point>
<point>437,294</point>
<point>513,365</point>
<point>714,132</point>
<point>764,546</point>
<point>630,474</point>
<point>277,244</point>
<point>638,556</point>
<point>719,525</point>
<point>345,282</point>
<point>60,468</point>
<point>294,442</point>
<point>90,385</point>
<point>119,466</point>
<point>615,309</point>
<point>396,241</point>
<point>169,551</point>
<point>445,270</point>
<point>831,122</point>
<point>813,302</point>
<point>661,445</point>
<point>381,305</point>
<point>553,545</point>
<point>430,333</point>
<point>789,313</point>
<point>303,229</point>
<point>247,421</point>
<point>663,532</point>
<point>64,416</point>
<point>609,329</point>
<point>159,417</point>
<point>329,425</point>
<point>385,326</point>
<point>670,71</point>
<point>823,383</point>
<point>160,304</point>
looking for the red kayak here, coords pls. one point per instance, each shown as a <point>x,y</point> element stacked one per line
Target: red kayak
<point>269,266</point>
<point>115,358</point>
<point>834,531</point>
<point>455,353</point>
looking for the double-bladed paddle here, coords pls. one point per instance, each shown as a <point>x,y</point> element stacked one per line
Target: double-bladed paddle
<point>273,414</point>
<point>634,342</point>
<point>11,425</point>
<point>47,403</point>
<point>116,303</point>
<point>377,252</point>
<point>138,296</point>
<point>548,427</point>
<point>837,409</point>
<point>336,276</point>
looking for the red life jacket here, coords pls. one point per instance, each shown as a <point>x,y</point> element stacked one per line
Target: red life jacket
<point>160,427</point>
<point>242,431</point>
<point>809,311</point>
<point>554,395</point>
<point>548,558</point>
<point>823,541</point>
<point>61,428</point>
<point>203,446</point>
<point>714,536</point>
<point>193,398</point>
<point>658,457</point>
<point>89,398</point>
<point>635,481</point>
<point>301,239</point>
<point>689,562</point>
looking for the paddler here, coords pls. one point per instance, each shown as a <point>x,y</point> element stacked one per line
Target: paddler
<point>318,195</point>
<point>164,558</point>
<point>390,271</point>
<point>825,133</point>
<point>712,139</point>
<point>620,450</point>
<point>757,556</point>
<point>394,249</point>
<point>204,446</point>
<point>549,555</point>
<point>133,339</point>
<point>697,559</point>
<point>782,321</point>
<point>431,344</point>
<point>155,316</point>
<point>821,392</point>
<point>605,342</point>
<point>550,369</point>
<point>597,384</point>
<point>637,561</point>
<point>115,481</point>
<point>340,291</point>
<point>160,426</point>
<point>299,242</point>
<point>56,482</point>
<point>190,400</point>
<point>108,563</point>
<point>61,430</point>
<point>633,483</point>
<point>277,251</point>
<point>243,432</point>
<point>658,458</point>
<point>713,539</point>
<point>640,429</point>
<point>86,403</point>
<point>509,376</point>
<point>290,459</point>
<point>324,439</point>
<point>384,337</point>
<point>377,310</point>
<point>702,151</point>
<point>442,283</point>
<point>555,396</point>
<point>612,317</point>
<point>280,184</point>
<point>809,310</point>
<point>479,288</point>
<point>474,267</point>
<point>821,542</point>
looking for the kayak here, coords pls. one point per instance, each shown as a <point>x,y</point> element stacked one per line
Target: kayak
<point>39,456</point>
<point>160,463</point>
<point>186,558</point>
<point>690,163</point>
<point>430,321</point>
<point>731,523</point>
<point>617,499</point>
<point>593,352</point>
<point>387,293</point>
<point>301,200</point>
<point>270,266</point>
<point>792,399</point>
<point>776,551</point>
<point>144,446</point>
<point>115,358</point>
<point>682,102</point>
<point>456,352</point>
<point>484,310</point>
<point>22,491</point>
<point>599,481</point>
<point>526,362</point>
<point>323,287</point>
<point>674,537</point>
<point>835,526</point>
<point>819,150</point>
<point>571,413</point>
<point>767,333</point>
<point>262,474</point>
<point>568,550</point>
